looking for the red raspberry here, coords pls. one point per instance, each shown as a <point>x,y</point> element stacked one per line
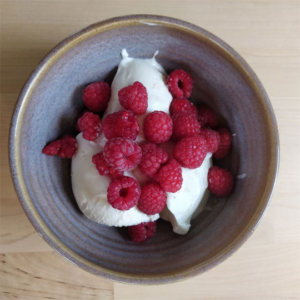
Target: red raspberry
<point>96,96</point>
<point>135,98</point>
<point>123,193</point>
<point>184,125</point>
<point>170,176</point>
<point>190,152</point>
<point>152,159</point>
<point>121,124</point>
<point>122,154</point>
<point>224,145</point>
<point>52,148</point>
<point>65,147</point>
<point>68,147</point>
<point>206,116</point>
<point>90,125</point>
<point>158,127</point>
<point>180,84</point>
<point>220,181</point>
<point>153,198</point>
<point>103,167</point>
<point>183,105</point>
<point>212,139</point>
<point>140,233</point>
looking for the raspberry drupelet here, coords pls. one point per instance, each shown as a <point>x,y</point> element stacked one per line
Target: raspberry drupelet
<point>158,127</point>
<point>135,98</point>
<point>121,124</point>
<point>142,232</point>
<point>152,159</point>
<point>123,193</point>
<point>90,125</point>
<point>180,84</point>
<point>122,154</point>
<point>96,96</point>
<point>153,198</point>
<point>220,181</point>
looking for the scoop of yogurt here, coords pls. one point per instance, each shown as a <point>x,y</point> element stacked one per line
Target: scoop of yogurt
<point>189,201</point>
<point>90,188</point>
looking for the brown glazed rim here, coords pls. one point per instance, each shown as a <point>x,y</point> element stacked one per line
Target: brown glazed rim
<point>15,158</point>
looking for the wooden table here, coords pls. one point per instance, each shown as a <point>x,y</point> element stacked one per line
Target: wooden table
<point>267,34</point>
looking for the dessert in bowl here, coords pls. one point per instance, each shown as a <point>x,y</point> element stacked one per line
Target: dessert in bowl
<point>150,106</point>
<point>48,108</point>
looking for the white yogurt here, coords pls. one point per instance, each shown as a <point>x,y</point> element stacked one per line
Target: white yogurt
<point>90,188</point>
<point>184,205</point>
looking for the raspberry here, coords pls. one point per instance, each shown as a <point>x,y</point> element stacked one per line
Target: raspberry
<point>220,181</point>
<point>152,158</point>
<point>121,124</point>
<point>183,105</point>
<point>180,84</point>
<point>206,116</point>
<point>158,127</point>
<point>212,139</point>
<point>170,176</point>
<point>65,147</point>
<point>153,199</point>
<point>134,97</point>
<point>190,152</point>
<point>103,167</point>
<point>141,232</point>
<point>184,125</point>
<point>224,145</point>
<point>90,125</point>
<point>96,96</point>
<point>52,148</point>
<point>68,146</point>
<point>122,154</point>
<point>123,193</point>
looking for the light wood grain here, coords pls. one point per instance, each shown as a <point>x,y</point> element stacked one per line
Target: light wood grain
<point>47,276</point>
<point>267,34</point>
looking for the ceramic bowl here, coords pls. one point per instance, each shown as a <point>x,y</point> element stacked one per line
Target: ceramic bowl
<point>48,107</point>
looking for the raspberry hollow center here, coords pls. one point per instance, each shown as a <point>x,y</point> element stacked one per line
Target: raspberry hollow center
<point>123,193</point>
<point>180,84</point>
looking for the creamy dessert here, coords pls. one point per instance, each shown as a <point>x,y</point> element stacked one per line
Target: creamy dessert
<point>90,190</point>
<point>151,154</point>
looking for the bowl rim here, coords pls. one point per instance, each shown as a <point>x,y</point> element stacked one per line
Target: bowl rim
<point>15,159</point>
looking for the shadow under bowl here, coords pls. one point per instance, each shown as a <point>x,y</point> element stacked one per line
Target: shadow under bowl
<point>49,105</point>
